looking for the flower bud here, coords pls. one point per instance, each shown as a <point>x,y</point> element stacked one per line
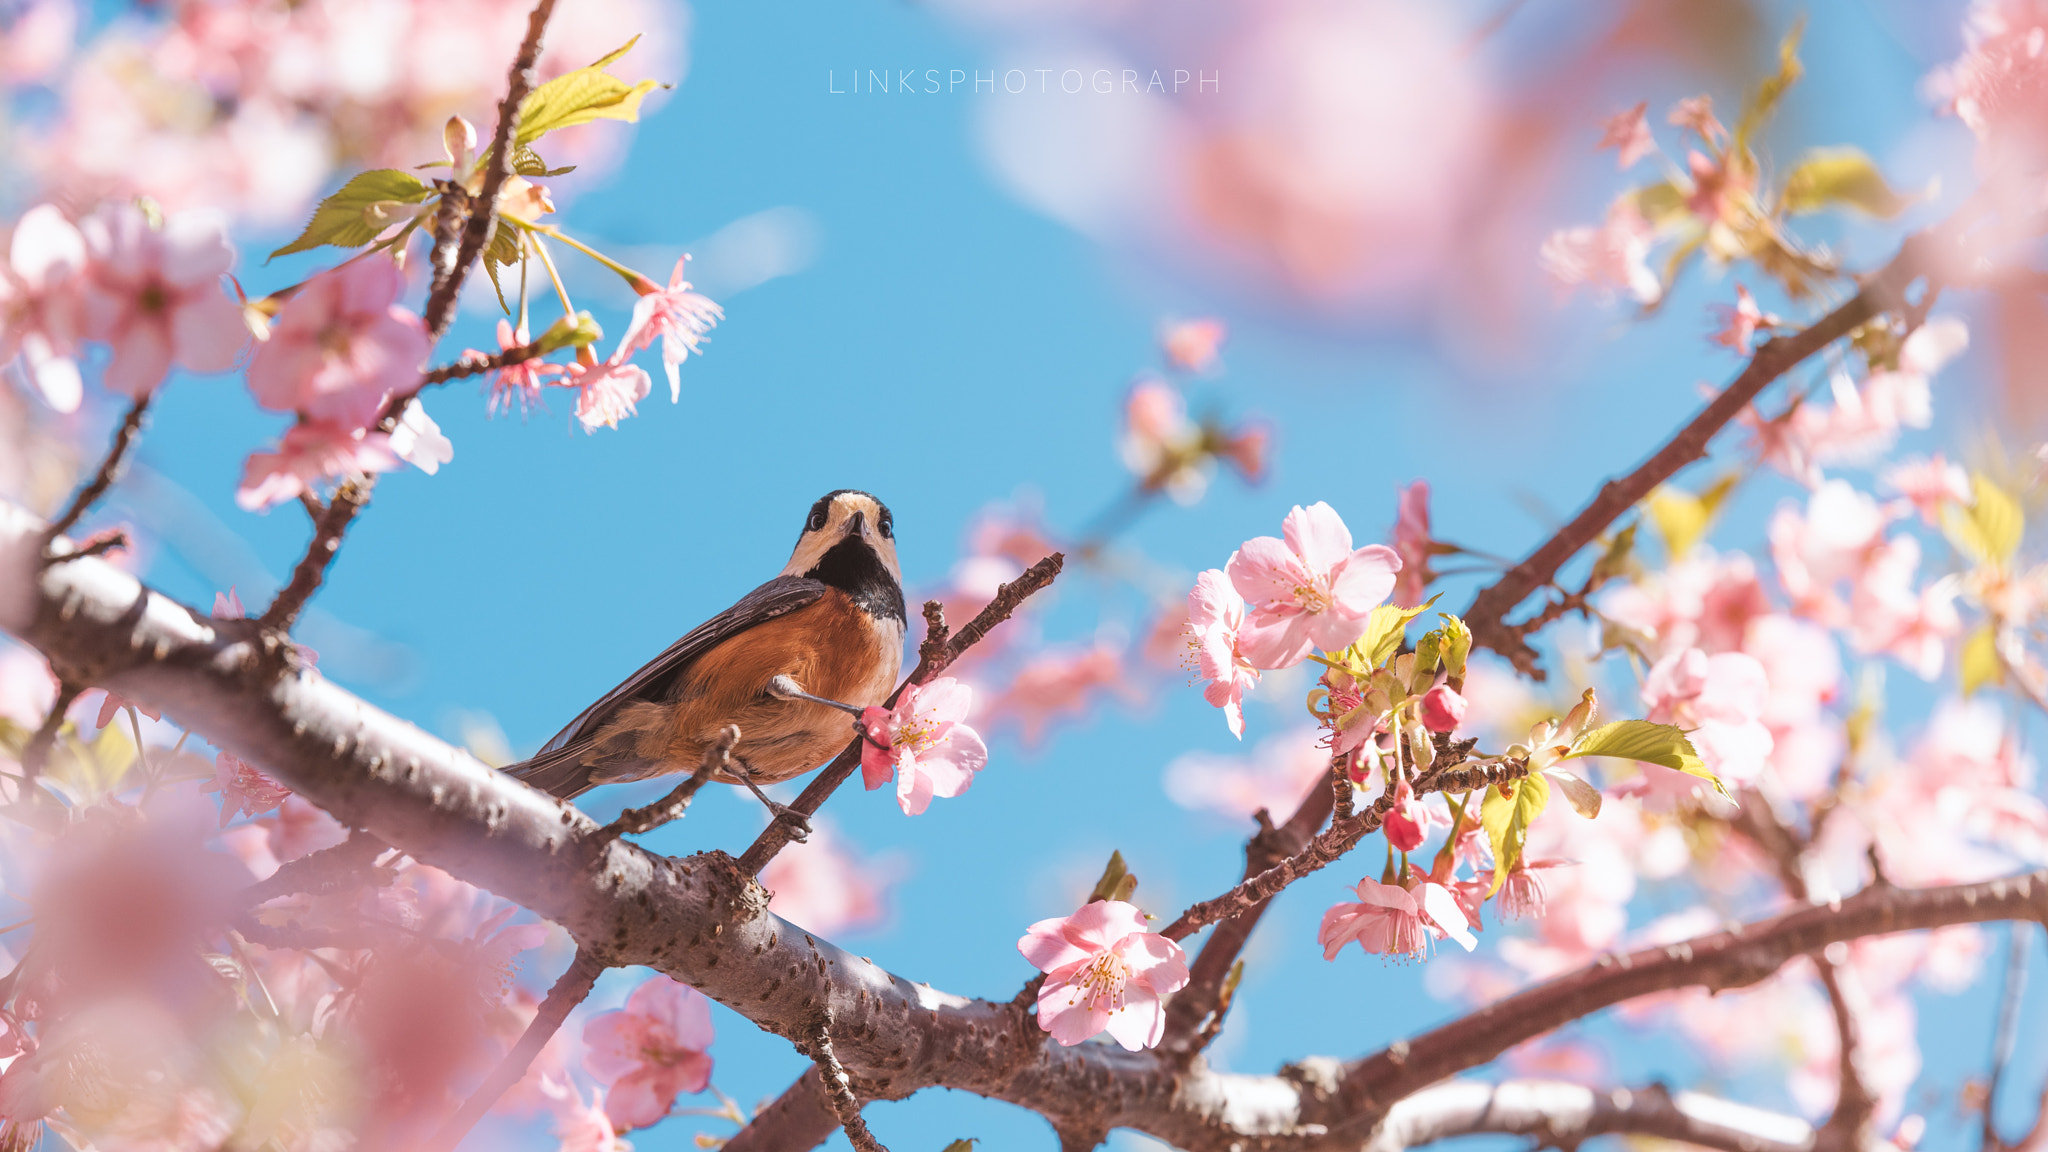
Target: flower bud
<point>1442,709</point>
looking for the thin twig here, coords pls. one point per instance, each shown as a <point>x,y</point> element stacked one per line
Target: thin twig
<point>1881,292</point>
<point>634,821</point>
<point>109,471</point>
<point>477,365</point>
<point>328,870</point>
<point>2003,1041</point>
<point>839,1087</point>
<point>570,989</point>
<point>306,579</point>
<point>933,659</point>
<point>37,751</point>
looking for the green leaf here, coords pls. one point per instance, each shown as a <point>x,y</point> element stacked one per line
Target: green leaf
<point>1457,644</point>
<point>964,1144</point>
<point>1764,103</point>
<point>344,220</point>
<point>1661,204</point>
<point>1978,662</point>
<point>1825,177</point>
<point>1117,883</point>
<point>1614,561</point>
<point>1681,518</point>
<point>1989,531</point>
<point>1507,819</point>
<point>578,331</point>
<point>527,162</point>
<point>1384,630</point>
<point>582,96</point>
<point>1664,744</point>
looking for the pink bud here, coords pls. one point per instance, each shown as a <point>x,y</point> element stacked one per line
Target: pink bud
<point>1442,709</point>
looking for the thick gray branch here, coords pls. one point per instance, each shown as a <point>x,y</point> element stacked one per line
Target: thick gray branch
<point>705,922</point>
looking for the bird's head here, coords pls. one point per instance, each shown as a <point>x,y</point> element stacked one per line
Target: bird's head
<point>846,535</point>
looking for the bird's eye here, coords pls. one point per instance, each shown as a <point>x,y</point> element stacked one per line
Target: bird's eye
<point>817,520</point>
<point>887,526</point>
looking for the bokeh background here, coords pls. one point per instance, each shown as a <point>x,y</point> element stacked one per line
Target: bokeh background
<point>943,298</point>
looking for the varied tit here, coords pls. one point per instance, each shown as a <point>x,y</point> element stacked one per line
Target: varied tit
<point>832,622</point>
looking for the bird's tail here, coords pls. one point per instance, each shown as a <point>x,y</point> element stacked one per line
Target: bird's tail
<point>560,772</point>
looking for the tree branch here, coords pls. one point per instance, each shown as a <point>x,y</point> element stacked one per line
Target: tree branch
<point>1565,1114</point>
<point>478,365</point>
<point>109,470</point>
<point>1880,292</point>
<point>705,922</point>
<point>838,1087</point>
<point>802,1117</point>
<point>934,658</point>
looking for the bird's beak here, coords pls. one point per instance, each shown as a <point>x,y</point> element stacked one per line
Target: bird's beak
<point>858,525</point>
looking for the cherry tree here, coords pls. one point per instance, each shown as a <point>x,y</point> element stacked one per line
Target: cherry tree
<point>308,939</point>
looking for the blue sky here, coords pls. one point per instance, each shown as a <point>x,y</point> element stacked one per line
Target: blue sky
<point>944,348</point>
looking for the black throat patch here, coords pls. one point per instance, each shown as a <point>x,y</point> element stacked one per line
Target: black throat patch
<point>853,568</point>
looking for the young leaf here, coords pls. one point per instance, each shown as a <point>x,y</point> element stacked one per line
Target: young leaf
<point>1507,819</point>
<point>1664,744</point>
<point>527,162</point>
<point>1457,644</point>
<point>1826,177</point>
<point>582,96</point>
<point>1384,630</point>
<point>1989,531</point>
<point>1979,663</point>
<point>964,1144</point>
<point>343,219</point>
<point>1764,103</point>
<point>1681,518</point>
<point>1117,883</point>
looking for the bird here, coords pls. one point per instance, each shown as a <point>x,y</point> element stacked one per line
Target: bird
<point>831,622</point>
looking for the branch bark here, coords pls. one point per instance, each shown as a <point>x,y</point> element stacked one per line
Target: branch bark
<point>1565,1114</point>
<point>704,921</point>
<point>1881,292</point>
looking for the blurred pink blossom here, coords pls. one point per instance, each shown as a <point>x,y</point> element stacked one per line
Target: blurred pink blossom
<point>1887,614</point>
<point>1215,614</point>
<point>923,744</point>
<point>824,885</point>
<point>1741,321</point>
<point>1396,921</point>
<point>608,392</point>
<point>1999,86</point>
<point>243,788</point>
<point>1719,699</point>
<point>1610,257</point>
<point>1104,972</point>
<point>519,383</point>
<point>1276,775</point>
<point>586,1127</point>
<point>311,452</point>
<point>1412,545</point>
<point>41,306</point>
<point>1929,482</point>
<point>653,1049</point>
<point>1628,133</point>
<point>341,346</point>
<point>155,295</point>
<point>1695,114</point>
<point>1192,345</point>
<point>1310,590</point>
<point>1060,682</point>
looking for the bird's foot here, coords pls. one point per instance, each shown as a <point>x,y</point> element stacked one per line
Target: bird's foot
<point>786,688</point>
<point>797,820</point>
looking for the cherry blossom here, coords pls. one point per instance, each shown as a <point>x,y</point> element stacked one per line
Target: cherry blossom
<point>1312,589</point>
<point>1408,822</point>
<point>824,885</point>
<point>1276,774</point>
<point>1192,345</point>
<point>1610,257</point>
<point>1061,681</point>
<point>922,744</point>
<point>608,392</point>
<point>1628,133</point>
<point>586,1127</point>
<point>243,788</point>
<point>1719,698</point>
<point>1215,615</point>
<point>2000,85</point>
<point>653,1049</point>
<point>1104,972</point>
<point>1161,446</point>
<point>1413,545</point>
<point>1396,921</point>
<point>41,308</point>
<point>155,296</point>
<point>311,452</point>
<point>112,703</point>
<point>417,440</point>
<point>1928,483</point>
<point>341,346</point>
<point>1696,115</point>
<point>1887,614</point>
<point>677,316</point>
<point>1741,321</point>
<point>519,383</point>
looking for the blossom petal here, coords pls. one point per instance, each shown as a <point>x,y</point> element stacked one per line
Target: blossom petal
<point>1318,535</point>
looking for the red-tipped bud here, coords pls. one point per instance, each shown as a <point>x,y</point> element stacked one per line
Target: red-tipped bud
<point>1442,709</point>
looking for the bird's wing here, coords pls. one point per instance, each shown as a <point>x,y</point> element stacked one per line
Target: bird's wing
<point>778,596</point>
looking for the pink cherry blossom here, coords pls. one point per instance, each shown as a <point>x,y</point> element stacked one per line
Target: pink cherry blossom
<point>1719,698</point>
<point>1247,448</point>
<point>1628,133</point>
<point>1929,482</point>
<point>243,788</point>
<point>608,392</point>
<point>519,383</point>
<point>1161,446</point>
<point>1696,114</point>
<point>651,1050</point>
<point>1741,321</point>
<point>1522,894</point>
<point>155,296</point>
<point>311,452</point>
<point>826,886</point>
<point>1215,615</point>
<point>1610,257</point>
<point>1703,601</point>
<point>676,315</point>
<point>922,744</point>
<point>1312,589</point>
<point>342,346</point>
<point>1999,87</point>
<point>1887,614</point>
<point>418,441</point>
<point>1104,972</point>
<point>1275,776</point>
<point>113,702</point>
<point>1408,822</point>
<point>1061,681</point>
<point>41,308</point>
<point>1412,545</point>
<point>1442,709</point>
<point>1396,921</point>
<point>586,1127</point>
<point>1192,345</point>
